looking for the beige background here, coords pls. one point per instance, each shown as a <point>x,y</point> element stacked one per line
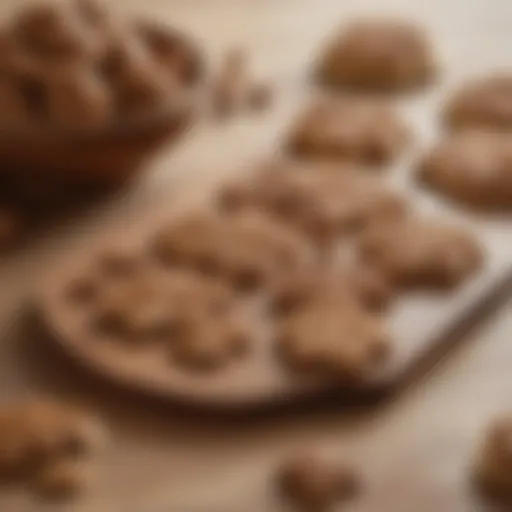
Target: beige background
<point>162,460</point>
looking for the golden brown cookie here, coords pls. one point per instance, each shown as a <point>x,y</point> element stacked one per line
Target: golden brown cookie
<point>473,168</point>
<point>382,55</point>
<point>210,343</point>
<point>248,250</point>
<point>50,31</point>
<point>35,433</point>
<point>422,253</point>
<point>62,479</point>
<point>322,204</point>
<point>315,484</point>
<point>482,103</point>
<point>493,464</point>
<point>150,306</point>
<point>364,131</point>
<point>333,336</point>
<point>293,290</point>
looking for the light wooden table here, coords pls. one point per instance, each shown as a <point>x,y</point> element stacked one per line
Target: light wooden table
<point>163,461</point>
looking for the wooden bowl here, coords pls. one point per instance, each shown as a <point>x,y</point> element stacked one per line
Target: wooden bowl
<point>108,156</point>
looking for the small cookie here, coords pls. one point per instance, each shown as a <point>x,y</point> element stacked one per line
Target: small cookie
<point>210,343</point>
<point>334,337</point>
<point>493,466</point>
<point>321,203</point>
<point>482,103</point>
<point>50,31</point>
<point>473,168</point>
<point>364,131</point>
<point>294,290</point>
<point>422,253</point>
<point>62,479</point>
<point>247,250</point>
<point>315,484</point>
<point>154,307</point>
<point>381,55</point>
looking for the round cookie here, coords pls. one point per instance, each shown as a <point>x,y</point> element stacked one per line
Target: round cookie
<point>485,102</point>
<point>365,131</point>
<point>378,55</point>
<point>421,253</point>
<point>313,483</point>
<point>473,168</point>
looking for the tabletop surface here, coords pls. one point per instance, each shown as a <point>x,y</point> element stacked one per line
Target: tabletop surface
<point>413,452</point>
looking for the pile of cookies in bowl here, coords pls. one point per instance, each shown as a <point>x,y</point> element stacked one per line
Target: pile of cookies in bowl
<point>87,97</point>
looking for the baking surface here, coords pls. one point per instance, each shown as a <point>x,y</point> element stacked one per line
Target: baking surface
<point>162,460</point>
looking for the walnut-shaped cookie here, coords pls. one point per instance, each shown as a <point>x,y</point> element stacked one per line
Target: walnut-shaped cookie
<point>481,103</point>
<point>365,131</point>
<point>493,465</point>
<point>247,250</point>
<point>422,253</point>
<point>139,85</point>
<point>378,55</point>
<point>151,306</point>
<point>294,289</point>
<point>210,343</point>
<point>472,168</point>
<point>171,52</point>
<point>313,483</point>
<point>323,204</point>
<point>36,432</point>
<point>333,337</point>
<point>14,108</point>
<point>50,30</point>
<point>78,98</point>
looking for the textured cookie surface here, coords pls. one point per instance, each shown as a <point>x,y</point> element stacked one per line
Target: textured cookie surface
<point>422,253</point>
<point>388,55</point>
<point>365,131</point>
<point>323,204</point>
<point>485,102</point>
<point>473,168</point>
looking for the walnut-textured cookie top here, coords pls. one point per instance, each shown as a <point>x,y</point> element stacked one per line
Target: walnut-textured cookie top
<point>313,483</point>
<point>152,306</point>
<point>365,131</point>
<point>383,55</point>
<point>485,102</point>
<point>293,290</point>
<point>323,204</point>
<point>247,250</point>
<point>422,253</point>
<point>334,337</point>
<point>472,167</point>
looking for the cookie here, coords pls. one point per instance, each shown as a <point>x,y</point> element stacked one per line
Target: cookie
<point>246,250</point>
<point>322,204</point>
<point>423,253</point>
<point>364,131</point>
<point>61,479</point>
<point>333,337</point>
<point>472,168</point>
<point>482,103</point>
<point>493,465</point>
<point>378,55</point>
<point>210,343</point>
<point>35,433</point>
<point>295,289</point>
<point>315,484</point>
<point>152,307</point>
